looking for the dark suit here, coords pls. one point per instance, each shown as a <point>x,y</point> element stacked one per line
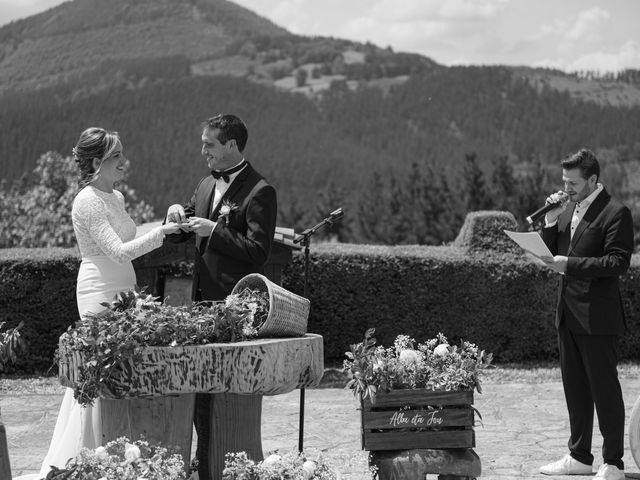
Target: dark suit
<point>589,317</point>
<point>231,252</point>
<point>242,247</point>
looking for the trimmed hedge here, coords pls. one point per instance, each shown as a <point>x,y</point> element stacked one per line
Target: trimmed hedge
<point>504,303</point>
<point>38,286</point>
<point>485,291</point>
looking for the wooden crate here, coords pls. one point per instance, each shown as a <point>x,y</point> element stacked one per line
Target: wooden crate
<point>419,418</point>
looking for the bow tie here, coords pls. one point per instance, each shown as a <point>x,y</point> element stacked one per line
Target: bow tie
<point>224,174</point>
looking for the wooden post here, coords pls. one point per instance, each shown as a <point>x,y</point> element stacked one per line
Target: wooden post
<point>235,425</point>
<point>5,466</point>
<point>164,419</point>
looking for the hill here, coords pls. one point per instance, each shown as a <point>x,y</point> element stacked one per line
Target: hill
<point>332,122</point>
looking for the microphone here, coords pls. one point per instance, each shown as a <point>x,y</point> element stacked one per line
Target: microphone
<point>542,211</point>
<point>336,214</point>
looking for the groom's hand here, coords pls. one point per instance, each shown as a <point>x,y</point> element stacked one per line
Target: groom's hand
<point>176,214</point>
<point>201,226</point>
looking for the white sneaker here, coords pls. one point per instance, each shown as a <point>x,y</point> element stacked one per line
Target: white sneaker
<point>568,465</point>
<point>609,472</point>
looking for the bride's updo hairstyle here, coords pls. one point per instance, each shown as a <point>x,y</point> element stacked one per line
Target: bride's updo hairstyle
<point>93,143</point>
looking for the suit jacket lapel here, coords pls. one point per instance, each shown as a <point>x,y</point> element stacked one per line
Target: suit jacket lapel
<point>564,230</point>
<point>232,190</point>
<point>589,216</point>
<point>203,209</point>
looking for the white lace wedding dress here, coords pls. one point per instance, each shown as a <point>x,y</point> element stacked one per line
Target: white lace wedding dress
<point>106,239</point>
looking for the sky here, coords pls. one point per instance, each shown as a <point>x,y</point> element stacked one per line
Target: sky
<point>571,35</point>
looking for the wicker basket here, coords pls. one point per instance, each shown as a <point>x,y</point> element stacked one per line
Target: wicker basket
<point>288,312</point>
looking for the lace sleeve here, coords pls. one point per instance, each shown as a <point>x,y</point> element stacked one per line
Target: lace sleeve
<point>91,213</point>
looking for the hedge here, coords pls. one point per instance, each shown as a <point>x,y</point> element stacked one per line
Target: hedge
<point>38,286</point>
<point>485,291</point>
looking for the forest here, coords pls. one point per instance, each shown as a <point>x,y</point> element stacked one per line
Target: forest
<point>406,166</point>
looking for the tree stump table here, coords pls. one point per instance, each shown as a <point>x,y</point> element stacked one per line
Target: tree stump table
<point>412,433</point>
<point>161,390</point>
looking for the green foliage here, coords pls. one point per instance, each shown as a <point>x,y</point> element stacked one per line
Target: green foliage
<point>108,341</point>
<point>417,137</point>
<point>484,231</point>
<point>123,459</point>
<point>11,345</point>
<point>501,300</point>
<point>37,288</point>
<point>290,465</point>
<point>36,210</point>
<point>433,365</point>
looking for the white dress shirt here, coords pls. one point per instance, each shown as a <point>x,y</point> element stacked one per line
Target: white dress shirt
<point>222,186</point>
<point>582,207</point>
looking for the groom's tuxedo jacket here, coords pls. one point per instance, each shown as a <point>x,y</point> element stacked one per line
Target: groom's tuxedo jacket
<point>600,250</point>
<point>235,250</point>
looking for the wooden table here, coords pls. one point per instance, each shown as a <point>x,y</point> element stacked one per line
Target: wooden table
<point>162,386</point>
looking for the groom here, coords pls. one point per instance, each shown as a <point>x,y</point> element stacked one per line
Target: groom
<point>232,214</point>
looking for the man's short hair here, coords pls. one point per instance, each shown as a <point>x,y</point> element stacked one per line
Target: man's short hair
<point>230,127</point>
<point>585,161</point>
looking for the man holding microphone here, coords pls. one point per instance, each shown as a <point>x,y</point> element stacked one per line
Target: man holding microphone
<point>590,235</point>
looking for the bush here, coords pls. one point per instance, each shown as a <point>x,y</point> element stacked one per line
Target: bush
<point>38,287</point>
<point>502,302</point>
<point>478,291</point>
<point>36,210</point>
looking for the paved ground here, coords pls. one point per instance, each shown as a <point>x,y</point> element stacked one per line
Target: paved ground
<point>525,425</point>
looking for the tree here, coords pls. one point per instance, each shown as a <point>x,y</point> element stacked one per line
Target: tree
<point>36,210</point>
<point>331,198</point>
<point>477,195</point>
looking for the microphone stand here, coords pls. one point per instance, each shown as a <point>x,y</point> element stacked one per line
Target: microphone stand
<point>305,239</point>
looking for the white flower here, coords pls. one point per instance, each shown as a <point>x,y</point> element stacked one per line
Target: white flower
<point>308,469</point>
<point>441,350</point>
<point>378,365</point>
<point>101,453</point>
<point>408,356</point>
<point>225,210</point>
<point>131,452</point>
<point>271,460</point>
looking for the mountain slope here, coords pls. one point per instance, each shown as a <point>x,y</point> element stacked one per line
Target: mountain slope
<point>74,38</point>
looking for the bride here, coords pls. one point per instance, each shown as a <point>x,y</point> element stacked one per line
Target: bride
<point>107,243</point>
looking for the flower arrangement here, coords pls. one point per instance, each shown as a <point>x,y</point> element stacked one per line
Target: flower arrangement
<point>225,211</point>
<point>108,340</point>
<point>122,459</point>
<point>293,466</point>
<point>433,365</point>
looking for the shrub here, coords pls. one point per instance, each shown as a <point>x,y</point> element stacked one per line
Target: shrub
<point>38,287</point>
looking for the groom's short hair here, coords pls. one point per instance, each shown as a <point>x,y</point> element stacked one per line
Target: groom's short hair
<point>230,127</point>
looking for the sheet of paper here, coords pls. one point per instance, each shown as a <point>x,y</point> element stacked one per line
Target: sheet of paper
<point>531,242</point>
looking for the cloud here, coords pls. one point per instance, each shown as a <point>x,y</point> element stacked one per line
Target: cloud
<point>577,27</point>
<point>437,10</point>
<point>472,9</point>
<point>587,21</point>
<point>625,57</point>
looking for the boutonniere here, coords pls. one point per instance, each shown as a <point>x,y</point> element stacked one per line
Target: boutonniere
<point>225,211</point>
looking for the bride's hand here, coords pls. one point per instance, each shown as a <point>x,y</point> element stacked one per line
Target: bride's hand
<point>169,228</point>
